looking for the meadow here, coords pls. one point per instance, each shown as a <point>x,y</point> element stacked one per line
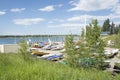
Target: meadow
<point>14,67</point>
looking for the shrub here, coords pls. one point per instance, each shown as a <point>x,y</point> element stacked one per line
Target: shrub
<point>23,50</point>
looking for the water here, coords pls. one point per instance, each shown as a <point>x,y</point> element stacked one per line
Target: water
<point>14,40</point>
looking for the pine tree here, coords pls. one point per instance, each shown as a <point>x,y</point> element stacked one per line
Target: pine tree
<point>69,44</point>
<point>112,28</point>
<point>117,29</point>
<point>117,40</point>
<point>83,56</point>
<point>92,33</point>
<point>106,25</point>
<point>95,44</point>
<point>70,50</point>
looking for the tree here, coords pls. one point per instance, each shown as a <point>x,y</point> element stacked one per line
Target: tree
<point>106,25</point>
<point>112,28</point>
<point>83,56</point>
<point>70,50</point>
<point>95,44</point>
<point>117,40</point>
<point>117,27</point>
<point>76,57</point>
<point>92,33</point>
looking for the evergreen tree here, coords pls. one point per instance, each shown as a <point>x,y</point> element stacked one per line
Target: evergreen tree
<point>69,44</point>
<point>100,46</point>
<point>83,56</point>
<point>70,50</point>
<point>92,33</point>
<point>112,28</point>
<point>117,40</point>
<point>106,25</point>
<point>95,44</point>
<point>117,29</point>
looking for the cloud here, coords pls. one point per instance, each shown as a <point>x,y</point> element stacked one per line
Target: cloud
<point>76,18</point>
<point>17,9</point>
<point>56,20</point>
<point>66,25</point>
<point>28,21</point>
<point>71,25</point>
<point>60,5</point>
<point>117,23</point>
<point>2,13</point>
<point>81,18</point>
<point>116,9</point>
<point>92,5</point>
<point>50,22</point>
<point>47,8</point>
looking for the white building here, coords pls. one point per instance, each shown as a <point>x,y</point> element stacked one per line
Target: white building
<point>7,48</point>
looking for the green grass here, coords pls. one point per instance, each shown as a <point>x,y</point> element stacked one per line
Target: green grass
<point>13,67</point>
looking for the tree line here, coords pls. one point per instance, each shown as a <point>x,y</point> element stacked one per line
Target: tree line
<point>111,28</point>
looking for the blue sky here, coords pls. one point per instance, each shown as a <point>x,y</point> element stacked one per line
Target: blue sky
<point>29,17</point>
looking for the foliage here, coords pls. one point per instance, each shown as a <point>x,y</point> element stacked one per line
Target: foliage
<point>16,68</point>
<point>84,55</point>
<point>95,43</point>
<point>93,35</point>
<point>69,44</point>
<point>23,50</point>
<point>116,30</point>
<point>82,33</point>
<point>70,50</point>
<point>112,28</point>
<point>106,25</point>
<point>117,40</point>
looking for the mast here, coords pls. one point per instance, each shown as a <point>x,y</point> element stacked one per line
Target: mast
<point>15,40</point>
<point>85,27</point>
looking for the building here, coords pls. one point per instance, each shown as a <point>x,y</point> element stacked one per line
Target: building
<point>7,48</point>
<point>104,33</point>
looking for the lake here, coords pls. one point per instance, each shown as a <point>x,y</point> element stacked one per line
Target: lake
<point>14,40</point>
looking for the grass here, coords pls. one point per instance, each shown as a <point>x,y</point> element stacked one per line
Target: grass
<point>13,67</point>
<point>108,37</point>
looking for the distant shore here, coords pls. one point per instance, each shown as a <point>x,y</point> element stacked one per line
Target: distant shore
<point>3,36</point>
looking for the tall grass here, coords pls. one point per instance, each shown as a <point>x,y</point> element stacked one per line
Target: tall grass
<point>13,67</point>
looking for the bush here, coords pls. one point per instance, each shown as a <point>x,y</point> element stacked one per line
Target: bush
<point>23,50</point>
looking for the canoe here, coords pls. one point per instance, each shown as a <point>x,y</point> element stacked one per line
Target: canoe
<point>38,53</point>
<point>54,57</point>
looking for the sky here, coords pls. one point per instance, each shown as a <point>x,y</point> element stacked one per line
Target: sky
<point>35,17</point>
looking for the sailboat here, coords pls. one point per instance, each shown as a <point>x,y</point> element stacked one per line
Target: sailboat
<point>48,47</point>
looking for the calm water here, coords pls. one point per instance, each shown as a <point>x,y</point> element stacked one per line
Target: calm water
<point>14,40</point>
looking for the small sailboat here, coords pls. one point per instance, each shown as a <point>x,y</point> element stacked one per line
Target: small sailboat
<point>48,47</point>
